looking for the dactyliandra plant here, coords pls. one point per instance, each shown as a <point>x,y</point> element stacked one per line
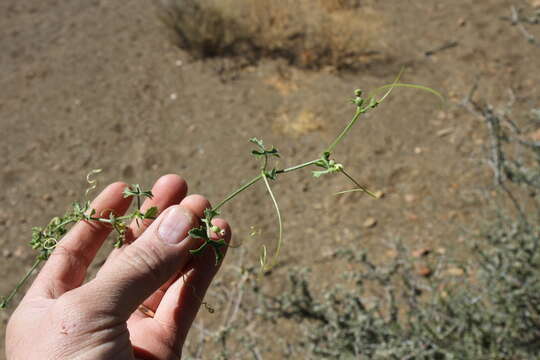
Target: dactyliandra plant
<point>45,239</point>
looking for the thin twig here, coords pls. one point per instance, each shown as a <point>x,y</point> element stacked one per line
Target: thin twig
<point>497,160</point>
<point>516,21</point>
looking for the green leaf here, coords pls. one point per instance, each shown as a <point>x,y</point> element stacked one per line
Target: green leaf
<point>271,174</point>
<point>147,194</point>
<point>128,192</point>
<point>262,151</point>
<point>318,174</point>
<point>219,256</point>
<point>257,142</point>
<point>151,213</point>
<point>209,213</point>
<point>324,163</point>
<point>273,151</point>
<point>199,249</point>
<point>118,242</point>
<point>136,190</point>
<point>373,103</point>
<point>198,233</point>
<point>217,245</point>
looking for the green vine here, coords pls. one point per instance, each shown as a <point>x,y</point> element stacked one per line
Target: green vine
<point>45,239</point>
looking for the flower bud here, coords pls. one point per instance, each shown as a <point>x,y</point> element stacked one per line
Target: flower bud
<point>217,230</point>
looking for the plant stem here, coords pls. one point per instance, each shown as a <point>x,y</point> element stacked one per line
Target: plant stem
<point>7,300</point>
<point>238,191</point>
<point>259,177</point>
<point>345,131</point>
<point>280,226</point>
<point>64,223</point>
<point>108,221</point>
<point>361,187</point>
<point>293,168</point>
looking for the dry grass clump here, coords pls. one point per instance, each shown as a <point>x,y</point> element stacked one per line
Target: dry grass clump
<point>308,33</point>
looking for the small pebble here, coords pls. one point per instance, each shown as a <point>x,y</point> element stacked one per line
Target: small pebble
<point>174,96</point>
<point>392,253</point>
<point>47,197</point>
<point>441,251</point>
<point>411,216</point>
<point>379,194</point>
<point>535,135</point>
<point>370,222</point>
<point>410,198</point>
<point>19,252</point>
<point>7,253</point>
<point>444,132</point>
<point>421,252</point>
<point>424,271</point>
<point>455,271</point>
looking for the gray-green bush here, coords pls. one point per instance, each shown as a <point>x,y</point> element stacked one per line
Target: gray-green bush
<point>492,311</point>
<point>493,314</point>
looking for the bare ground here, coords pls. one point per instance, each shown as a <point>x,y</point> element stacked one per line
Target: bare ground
<point>102,84</point>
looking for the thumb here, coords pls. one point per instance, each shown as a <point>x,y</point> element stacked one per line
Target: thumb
<point>158,254</point>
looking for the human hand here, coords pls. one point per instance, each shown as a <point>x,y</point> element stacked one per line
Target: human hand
<point>62,318</point>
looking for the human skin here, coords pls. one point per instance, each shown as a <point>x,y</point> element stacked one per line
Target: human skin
<point>64,317</point>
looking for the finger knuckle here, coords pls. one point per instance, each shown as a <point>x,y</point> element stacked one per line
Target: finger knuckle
<point>147,260</point>
<point>73,255</point>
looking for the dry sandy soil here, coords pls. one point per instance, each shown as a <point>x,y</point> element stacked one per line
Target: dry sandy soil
<point>102,84</point>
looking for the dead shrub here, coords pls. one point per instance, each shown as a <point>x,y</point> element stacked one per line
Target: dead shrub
<point>309,34</point>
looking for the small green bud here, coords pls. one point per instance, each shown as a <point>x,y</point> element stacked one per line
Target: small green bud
<point>217,230</point>
<point>358,101</point>
<point>358,93</point>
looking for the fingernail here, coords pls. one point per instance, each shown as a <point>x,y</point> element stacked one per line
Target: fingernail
<point>174,228</point>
